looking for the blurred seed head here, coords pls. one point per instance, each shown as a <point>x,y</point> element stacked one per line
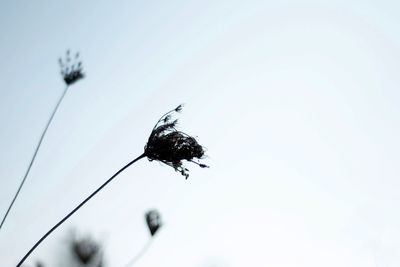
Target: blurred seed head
<point>71,68</point>
<point>85,250</point>
<point>153,220</point>
<point>170,146</point>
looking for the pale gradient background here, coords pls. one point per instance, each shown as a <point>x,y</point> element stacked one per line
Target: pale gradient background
<point>297,103</point>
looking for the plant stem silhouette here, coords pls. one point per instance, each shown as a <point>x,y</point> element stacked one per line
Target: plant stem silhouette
<point>165,144</point>
<point>71,72</point>
<point>77,208</point>
<point>153,221</point>
<point>139,255</point>
<point>34,155</point>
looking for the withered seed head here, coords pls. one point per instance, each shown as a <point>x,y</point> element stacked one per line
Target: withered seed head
<point>71,71</point>
<point>153,220</point>
<point>85,250</point>
<point>170,146</point>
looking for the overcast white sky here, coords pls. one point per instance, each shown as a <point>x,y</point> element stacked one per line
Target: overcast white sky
<point>297,103</point>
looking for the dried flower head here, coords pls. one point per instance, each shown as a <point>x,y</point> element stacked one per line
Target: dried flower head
<point>71,69</point>
<point>85,250</point>
<point>153,219</point>
<point>170,146</point>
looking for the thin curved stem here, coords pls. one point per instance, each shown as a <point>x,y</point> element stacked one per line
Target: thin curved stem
<point>140,253</point>
<point>177,109</point>
<point>77,208</point>
<point>34,155</point>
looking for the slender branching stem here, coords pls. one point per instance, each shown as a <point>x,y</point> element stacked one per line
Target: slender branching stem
<point>34,155</point>
<point>77,208</point>
<point>166,114</point>
<point>139,254</point>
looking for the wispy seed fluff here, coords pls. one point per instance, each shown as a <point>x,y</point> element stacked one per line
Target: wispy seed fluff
<point>170,146</point>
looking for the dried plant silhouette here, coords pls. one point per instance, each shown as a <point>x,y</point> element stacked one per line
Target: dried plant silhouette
<point>153,221</point>
<point>165,144</point>
<point>86,252</point>
<point>71,70</point>
<point>70,73</point>
<point>170,146</point>
<point>81,251</point>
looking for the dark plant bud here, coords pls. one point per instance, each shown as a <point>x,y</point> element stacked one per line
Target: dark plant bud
<point>170,146</point>
<point>167,118</point>
<point>153,220</point>
<point>179,108</point>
